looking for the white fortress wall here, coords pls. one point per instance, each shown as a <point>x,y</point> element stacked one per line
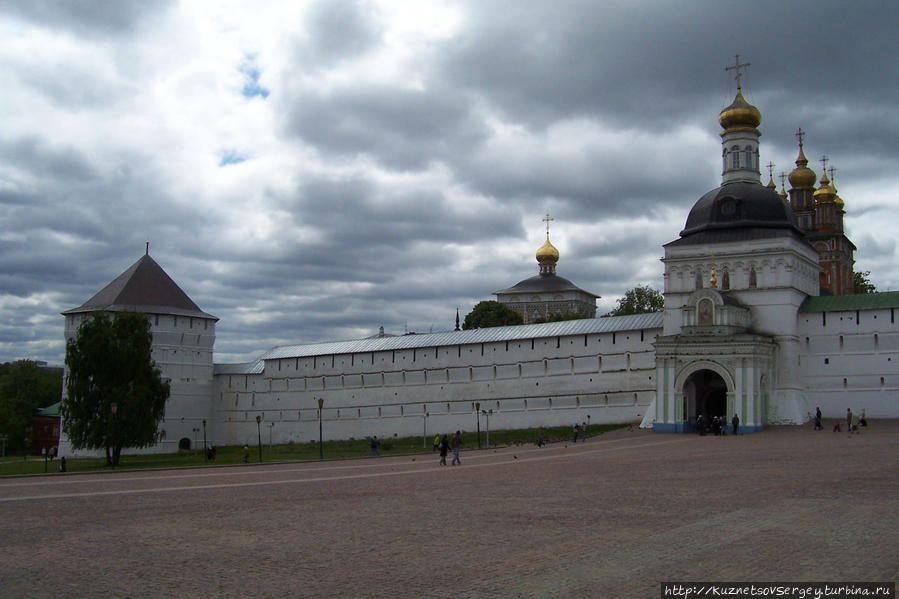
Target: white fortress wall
<point>850,359</point>
<point>416,387</point>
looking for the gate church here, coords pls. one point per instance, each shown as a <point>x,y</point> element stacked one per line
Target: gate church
<point>758,322</point>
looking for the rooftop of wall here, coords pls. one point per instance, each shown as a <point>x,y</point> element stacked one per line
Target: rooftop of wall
<point>255,367</point>
<point>846,303</point>
<point>585,326</point>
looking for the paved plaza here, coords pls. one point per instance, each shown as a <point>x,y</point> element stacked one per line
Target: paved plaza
<point>611,517</point>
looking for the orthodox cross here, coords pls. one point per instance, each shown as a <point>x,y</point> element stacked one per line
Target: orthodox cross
<point>737,66</point>
<point>783,177</point>
<point>824,160</point>
<point>770,166</point>
<point>799,135</point>
<point>148,247</point>
<point>547,219</point>
<point>832,171</point>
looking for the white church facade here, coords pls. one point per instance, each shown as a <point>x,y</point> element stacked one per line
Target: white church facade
<point>758,322</point>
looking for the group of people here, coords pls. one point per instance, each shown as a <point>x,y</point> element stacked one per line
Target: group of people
<point>854,422</point>
<point>579,429</point>
<point>443,444</point>
<point>717,425</point>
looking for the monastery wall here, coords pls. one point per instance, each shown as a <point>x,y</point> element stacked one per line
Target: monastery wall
<point>424,390</point>
<point>850,359</point>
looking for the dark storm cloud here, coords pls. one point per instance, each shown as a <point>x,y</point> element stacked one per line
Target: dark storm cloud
<point>338,29</point>
<point>86,17</point>
<point>402,129</point>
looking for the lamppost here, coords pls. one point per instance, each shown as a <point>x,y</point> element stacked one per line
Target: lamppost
<point>477,411</point>
<point>321,451</point>
<point>487,414</point>
<point>259,433</point>
<point>113,408</point>
<point>271,427</point>
<point>205,453</point>
<point>424,432</point>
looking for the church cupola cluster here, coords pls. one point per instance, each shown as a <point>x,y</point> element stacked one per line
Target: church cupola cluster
<point>819,213</point>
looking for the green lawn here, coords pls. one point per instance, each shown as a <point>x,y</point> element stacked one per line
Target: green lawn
<point>292,452</point>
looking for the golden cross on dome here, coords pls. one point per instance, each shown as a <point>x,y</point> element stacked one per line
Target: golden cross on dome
<point>783,177</point>
<point>737,66</point>
<point>547,219</point>
<point>824,160</point>
<point>799,135</point>
<point>832,171</point>
<point>770,166</point>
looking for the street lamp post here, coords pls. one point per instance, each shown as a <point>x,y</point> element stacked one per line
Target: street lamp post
<point>205,453</point>
<point>321,450</point>
<point>487,414</point>
<point>271,427</point>
<point>259,433</point>
<point>477,411</point>
<point>424,432</point>
<point>113,408</point>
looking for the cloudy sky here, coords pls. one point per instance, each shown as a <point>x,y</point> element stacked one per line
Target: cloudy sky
<point>312,171</point>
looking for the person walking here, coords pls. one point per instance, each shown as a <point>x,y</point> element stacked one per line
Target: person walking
<point>849,420</point>
<point>444,449</point>
<point>436,441</point>
<point>583,432</point>
<point>735,422</point>
<point>246,454</point>
<point>457,445</point>
<point>576,429</point>
<point>374,446</point>
<point>818,425</point>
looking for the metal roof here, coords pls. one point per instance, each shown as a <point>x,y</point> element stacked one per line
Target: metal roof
<point>845,303</point>
<point>255,367</point>
<point>493,334</point>
<point>144,287</point>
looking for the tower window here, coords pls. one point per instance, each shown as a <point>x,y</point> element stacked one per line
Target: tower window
<point>753,279</point>
<point>735,157</point>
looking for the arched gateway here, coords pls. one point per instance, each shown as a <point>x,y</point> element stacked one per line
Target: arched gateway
<point>704,394</point>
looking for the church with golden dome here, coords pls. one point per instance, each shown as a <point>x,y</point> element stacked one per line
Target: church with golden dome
<point>547,295</point>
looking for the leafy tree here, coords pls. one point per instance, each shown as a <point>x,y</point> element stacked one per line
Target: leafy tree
<point>862,283</point>
<point>639,300</point>
<point>491,314</point>
<point>115,395</point>
<point>25,386</point>
<point>561,317</point>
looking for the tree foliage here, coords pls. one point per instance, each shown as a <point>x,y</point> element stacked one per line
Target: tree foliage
<point>491,314</point>
<point>862,283</point>
<point>639,300</point>
<point>25,386</point>
<point>108,363</point>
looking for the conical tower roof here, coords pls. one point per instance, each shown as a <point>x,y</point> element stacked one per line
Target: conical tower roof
<point>144,287</point>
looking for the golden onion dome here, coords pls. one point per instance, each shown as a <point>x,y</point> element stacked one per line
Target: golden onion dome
<point>740,114</point>
<point>838,201</point>
<point>547,253</point>
<point>783,194</point>
<point>825,193</point>
<point>771,184</point>
<point>802,175</point>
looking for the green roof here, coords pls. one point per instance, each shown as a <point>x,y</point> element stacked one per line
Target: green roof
<point>846,303</point>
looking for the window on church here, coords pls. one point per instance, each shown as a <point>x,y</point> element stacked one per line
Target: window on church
<point>698,279</point>
<point>735,157</point>
<point>753,279</point>
<point>748,157</point>
<point>725,281</point>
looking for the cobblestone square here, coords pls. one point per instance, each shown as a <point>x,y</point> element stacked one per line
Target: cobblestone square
<point>611,517</point>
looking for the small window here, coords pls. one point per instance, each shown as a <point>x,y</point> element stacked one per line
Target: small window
<point>753,279</point>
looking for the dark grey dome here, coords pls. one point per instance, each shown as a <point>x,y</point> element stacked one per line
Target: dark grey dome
<point>737,208</point>
<point>544,283</point>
